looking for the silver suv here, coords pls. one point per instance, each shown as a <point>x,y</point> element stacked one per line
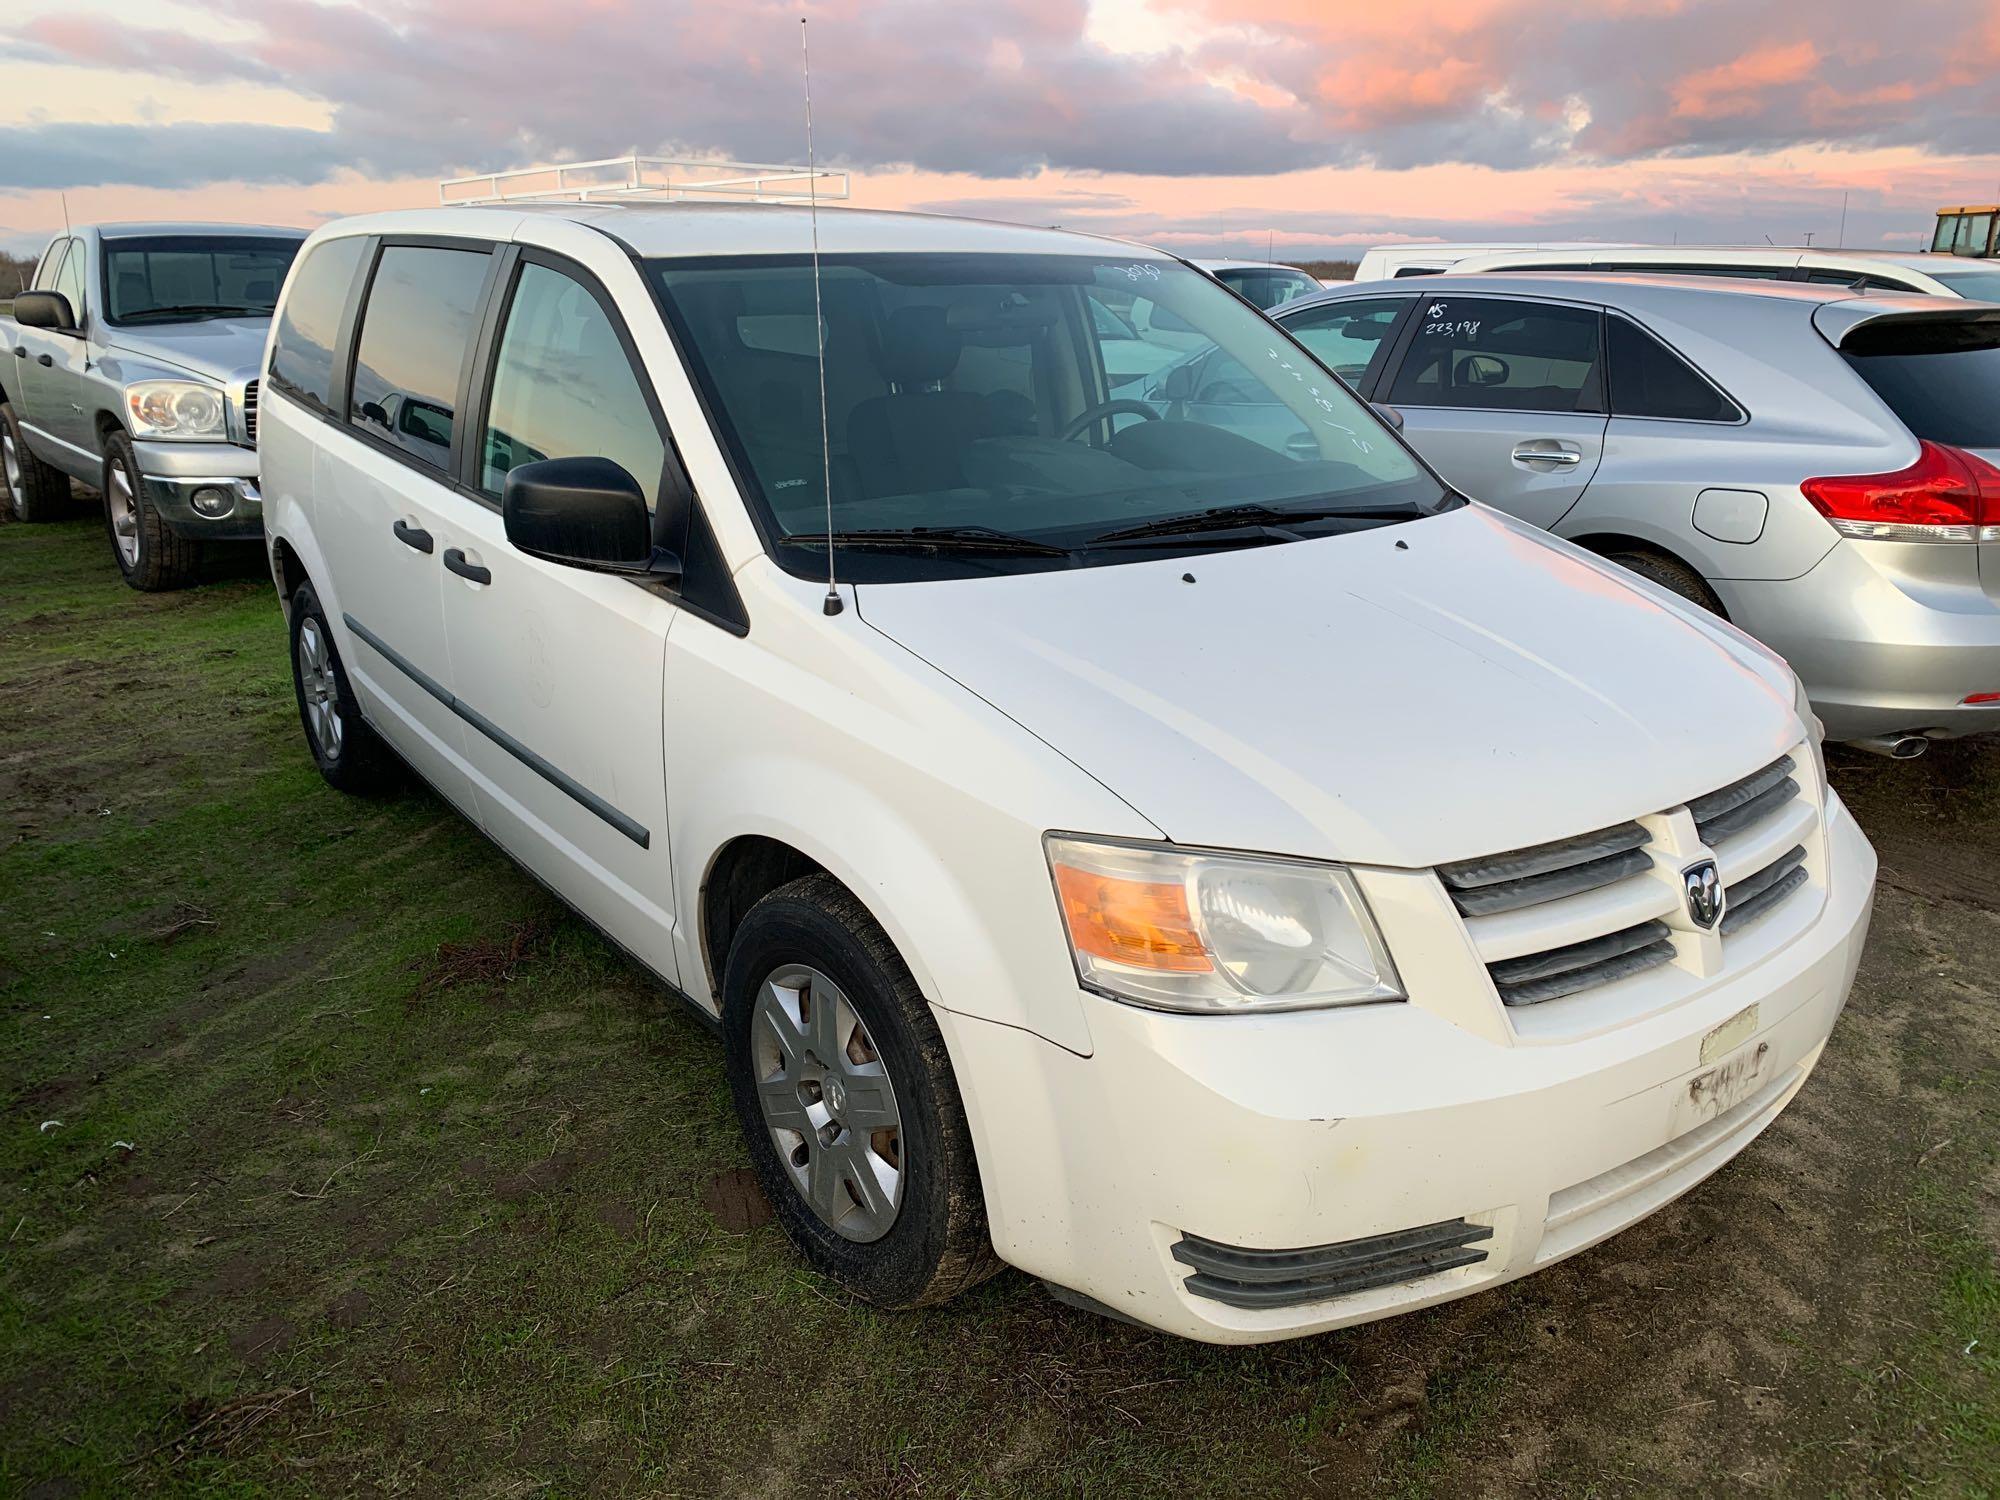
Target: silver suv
<point>1815,465</point>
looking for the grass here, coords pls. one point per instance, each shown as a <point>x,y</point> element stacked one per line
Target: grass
<point>336,1158</point>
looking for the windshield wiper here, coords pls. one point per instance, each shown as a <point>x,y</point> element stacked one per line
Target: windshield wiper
<point>1236,517</point>
<point>199,309</point>
<point>934,538</point>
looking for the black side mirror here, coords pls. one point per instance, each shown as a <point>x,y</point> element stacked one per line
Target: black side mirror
<point>1388,414</point>
<point>50,310</point>
<point>584,513</point>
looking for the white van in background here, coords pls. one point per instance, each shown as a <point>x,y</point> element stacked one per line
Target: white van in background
<point>1387,262</point>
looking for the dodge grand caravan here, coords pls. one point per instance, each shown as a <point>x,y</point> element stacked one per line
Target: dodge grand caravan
<point>1254,889</point>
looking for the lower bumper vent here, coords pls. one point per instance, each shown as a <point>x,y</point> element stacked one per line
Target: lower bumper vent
<point>1288,1278</point>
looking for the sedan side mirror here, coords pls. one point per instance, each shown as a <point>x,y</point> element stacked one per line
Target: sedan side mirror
<point>584,513</point>
<point>50,310</point>
<point>1388,414</point>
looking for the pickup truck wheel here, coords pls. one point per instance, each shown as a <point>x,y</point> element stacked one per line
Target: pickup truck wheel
<point>37,491</point>
<point>848,1103</point>
<point>1671,574</point>
<point>349,754</point>
<point>152,556</point>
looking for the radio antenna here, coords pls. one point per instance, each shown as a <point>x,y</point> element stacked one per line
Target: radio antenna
<point>832,605</point>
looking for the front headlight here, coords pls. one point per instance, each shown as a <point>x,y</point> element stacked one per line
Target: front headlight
<point>175,409</point>
<point>1815,731</point>
<point>1196,930</point>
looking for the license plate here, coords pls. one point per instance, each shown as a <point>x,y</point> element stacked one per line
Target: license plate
<point>1721,1088</point>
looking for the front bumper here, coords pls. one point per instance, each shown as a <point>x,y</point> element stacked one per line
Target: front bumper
<point>1889,638</point>
<point>176,473</point>
<point>1321,1128</point>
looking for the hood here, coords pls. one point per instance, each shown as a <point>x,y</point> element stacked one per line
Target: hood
<point>222,349</point>
<point>1404,696</point>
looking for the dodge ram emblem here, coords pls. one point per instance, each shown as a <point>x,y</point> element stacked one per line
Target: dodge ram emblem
<point>1704,893</point>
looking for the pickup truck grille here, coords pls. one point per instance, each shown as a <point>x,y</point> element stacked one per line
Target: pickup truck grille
<point>1559,919</point>
<point>250,413</point>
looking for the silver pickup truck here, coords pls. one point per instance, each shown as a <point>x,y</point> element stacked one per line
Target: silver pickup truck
<point>131,365</point>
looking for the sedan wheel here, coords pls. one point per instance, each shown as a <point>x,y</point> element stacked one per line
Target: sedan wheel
<point>828,1103</point>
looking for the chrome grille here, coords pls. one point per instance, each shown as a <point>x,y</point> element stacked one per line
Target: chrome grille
<point>250,412</point>
<point>1558,919</point>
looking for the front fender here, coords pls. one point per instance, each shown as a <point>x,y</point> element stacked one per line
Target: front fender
<point>920,797</point>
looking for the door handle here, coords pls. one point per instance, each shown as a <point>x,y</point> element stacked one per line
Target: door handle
<point>20,352</point>
<point>1528,453</point>
<point>412,536</point>
<point>455,561</point>
<point>45,360</point>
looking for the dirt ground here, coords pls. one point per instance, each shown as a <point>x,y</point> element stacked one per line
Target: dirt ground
<point>335,1158</point>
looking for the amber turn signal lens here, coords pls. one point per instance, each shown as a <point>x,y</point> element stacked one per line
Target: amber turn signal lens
<point>1144,924</point>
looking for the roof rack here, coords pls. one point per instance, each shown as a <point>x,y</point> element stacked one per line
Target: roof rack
<point>643,179</point>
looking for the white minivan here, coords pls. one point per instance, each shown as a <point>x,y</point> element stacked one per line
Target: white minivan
<point>1253,889</point>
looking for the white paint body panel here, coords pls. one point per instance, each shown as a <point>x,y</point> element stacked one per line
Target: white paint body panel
<point>1480,687</point>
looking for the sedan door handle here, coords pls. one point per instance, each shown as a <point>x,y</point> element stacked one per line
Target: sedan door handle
<point>45,360</point>
<point>412,536</point>
<point>455,561</point>
<point>1528,453</point>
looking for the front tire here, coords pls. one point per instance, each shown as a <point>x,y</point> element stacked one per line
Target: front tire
<point>349,754</point>
<point>36,491</point>
<point>151,555</point>
<point>847,1101</point>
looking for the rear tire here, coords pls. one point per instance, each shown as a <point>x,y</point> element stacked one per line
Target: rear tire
<point>152,556</point>
<point>349,754</point>
<point>36,491</point>
<point>811,973</point>
<point>1671,574</point>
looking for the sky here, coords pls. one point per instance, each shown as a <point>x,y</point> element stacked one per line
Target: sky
<point>1299,128</point>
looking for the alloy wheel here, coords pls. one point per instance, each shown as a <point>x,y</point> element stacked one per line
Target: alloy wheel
<point>319,690</point>
<point>124,515</point>
<point>828,1102</point>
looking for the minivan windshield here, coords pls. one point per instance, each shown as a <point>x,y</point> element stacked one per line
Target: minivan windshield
<point>185,278</point>
<point>982,413</point>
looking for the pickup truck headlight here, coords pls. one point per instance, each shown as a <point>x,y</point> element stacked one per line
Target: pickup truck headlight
<point>175,409</point>
<point>1197,930</point>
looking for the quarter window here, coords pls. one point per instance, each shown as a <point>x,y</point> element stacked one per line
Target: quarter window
<point>1345,336</point>
<point>564,388</point>
<point>1649,380</point>
<point>414,334</point>
<point>1501,355</point>
<point>309,324</point>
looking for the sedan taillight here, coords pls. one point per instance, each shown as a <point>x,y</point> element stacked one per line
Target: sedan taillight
<point>1947,495</point>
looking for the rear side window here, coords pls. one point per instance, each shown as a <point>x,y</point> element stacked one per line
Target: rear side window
<point>1937,377</point>
<point>1501,355</point>
<point>302,353</point>
<point>564,388</point>
<point>1649,380</point>
<point>414,333</point>
<point>1344,336</point>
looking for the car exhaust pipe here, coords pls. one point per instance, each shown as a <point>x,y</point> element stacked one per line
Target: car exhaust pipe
<point>1895,746</point>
